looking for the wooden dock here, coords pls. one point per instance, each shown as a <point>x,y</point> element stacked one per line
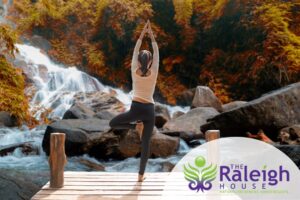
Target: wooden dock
<point>109,185</point>
<point>69,185</point>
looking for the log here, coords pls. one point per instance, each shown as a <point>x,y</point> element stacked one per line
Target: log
<point>57,159</point>
<point>4,150</point>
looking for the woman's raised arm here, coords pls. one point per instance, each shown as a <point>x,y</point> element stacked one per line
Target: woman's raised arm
<point>155,63</point>
<point>134,60</point>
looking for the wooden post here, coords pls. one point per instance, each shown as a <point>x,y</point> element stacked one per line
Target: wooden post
<point>57,159</point>
<point>213,153</point>
<point>211,135</point>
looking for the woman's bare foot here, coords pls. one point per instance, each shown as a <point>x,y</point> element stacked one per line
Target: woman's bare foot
<point>139,128</point>
<point>141,178</point>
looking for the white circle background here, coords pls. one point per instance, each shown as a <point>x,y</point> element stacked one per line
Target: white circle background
<point>235,150</point>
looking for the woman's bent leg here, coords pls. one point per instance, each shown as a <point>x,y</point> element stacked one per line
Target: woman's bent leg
<point>122,121</point>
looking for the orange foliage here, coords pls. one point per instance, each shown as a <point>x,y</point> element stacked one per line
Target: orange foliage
<point>170,87</point>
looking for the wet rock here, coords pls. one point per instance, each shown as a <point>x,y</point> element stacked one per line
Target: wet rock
<point>41,42</point>
<point>26,147</point>
<point>78,133</point>
<point>232,105</point>
<point>205,97</point>
<point>162,115</point>
<point>78,111</point>
<point>130,144</point>
<point>104,105</point>
<point>290,135</point>
<point>167,166</point>
<point>105,115</point>
<point>271,112</point>
<point>160,145</point>
<point>163,145</point>
<point>6,119</point>
<point>91,164</point>
<point>186,97</point>
<point>292,151</point>
<point>192,120</point>
<point>16,185</point>
<point>177,114</point>
<point>185,135</point>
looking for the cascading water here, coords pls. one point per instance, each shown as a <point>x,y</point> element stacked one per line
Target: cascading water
<point>55,87</point>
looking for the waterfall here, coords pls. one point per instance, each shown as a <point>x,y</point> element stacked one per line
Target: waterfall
<point>57,86</point>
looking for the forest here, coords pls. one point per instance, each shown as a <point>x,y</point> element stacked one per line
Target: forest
<point>239,48</point>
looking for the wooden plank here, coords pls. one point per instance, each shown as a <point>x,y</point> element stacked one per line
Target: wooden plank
<point>114,192</point>
<point>145,183</point>
<point>107,197</point>
<point>114,185</point>
<point>118,187</point>
<point>124,177</point>
<point>121,179</point>
<point>114,173</point>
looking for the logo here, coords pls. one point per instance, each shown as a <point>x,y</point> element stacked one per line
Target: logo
<point>200,176</point>
<point>233,168</point>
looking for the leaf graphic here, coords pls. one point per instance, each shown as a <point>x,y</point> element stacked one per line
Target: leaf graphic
<point>190,174</point>
<point>209,173</point>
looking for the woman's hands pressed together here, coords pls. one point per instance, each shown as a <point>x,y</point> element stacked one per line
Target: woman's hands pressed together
<point>145,29</point>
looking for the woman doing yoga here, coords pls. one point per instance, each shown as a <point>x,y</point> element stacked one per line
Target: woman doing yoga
<point>144,70</point>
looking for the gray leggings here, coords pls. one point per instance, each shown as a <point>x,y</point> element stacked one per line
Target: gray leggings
<point>138,112</point>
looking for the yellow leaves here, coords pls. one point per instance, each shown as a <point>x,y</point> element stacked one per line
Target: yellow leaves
<point>183,11</point>
<point>96,60</point>
<point>12,97</point>
<point>220,90</point>
<point>183,14</point>
<point>170,87</point>
<point>7,40</point>
<point>282,45</point>
<point>209,10</point>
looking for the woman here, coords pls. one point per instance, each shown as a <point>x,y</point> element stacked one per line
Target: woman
<point>144,72</point>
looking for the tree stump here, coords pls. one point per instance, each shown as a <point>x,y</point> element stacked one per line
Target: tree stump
<point>57,159</point>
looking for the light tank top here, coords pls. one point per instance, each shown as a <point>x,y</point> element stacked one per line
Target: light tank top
<point>144,86</point>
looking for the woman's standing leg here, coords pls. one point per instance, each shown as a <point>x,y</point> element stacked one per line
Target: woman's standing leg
<point>146,138</point>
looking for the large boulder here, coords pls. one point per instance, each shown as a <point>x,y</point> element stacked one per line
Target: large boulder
<point>17,185</point>
<point>79,133</point>
<point>271,112</point>
<point>292,151</point>
<point>163,145</point>
<point>187,136</point>
<point>192,120</point>
<point>160,145</point>
<point>290,135</point>
<point>99,101</point>
<point>232,105</point>
<point>186,97</point>
<point>79,111</point>
<point>6,119</point>
<point>205,97</point>
<point>162,115</point>
<point>177,114</point>
<point>96,104</point>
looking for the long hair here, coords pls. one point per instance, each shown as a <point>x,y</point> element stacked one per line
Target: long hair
<point>144,58</point>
